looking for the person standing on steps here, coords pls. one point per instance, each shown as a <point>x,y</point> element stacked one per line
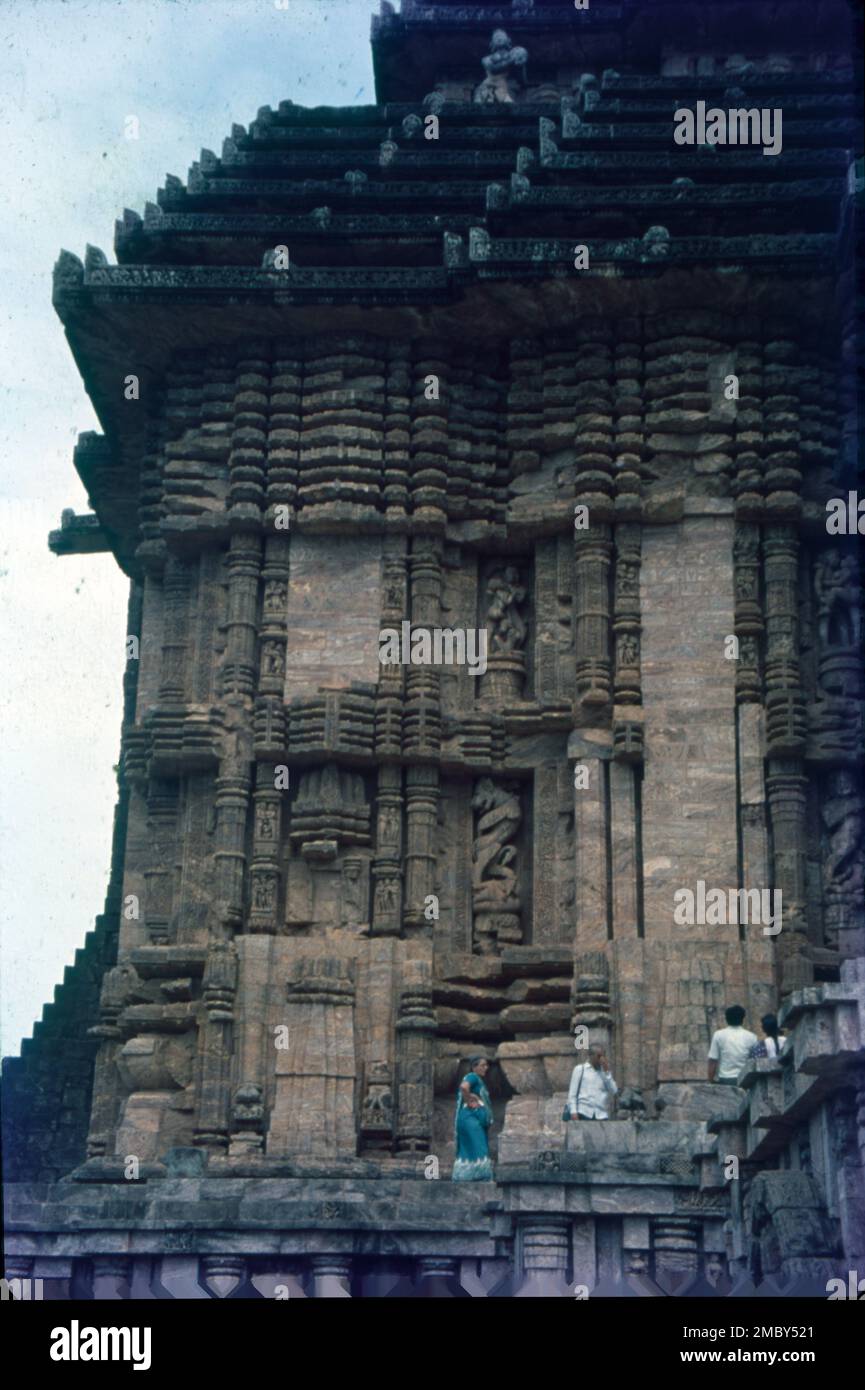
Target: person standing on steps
<point>592,1087</point>
<point>773,1040</point>
<point>730,1048</point>
<point>472,1120</point>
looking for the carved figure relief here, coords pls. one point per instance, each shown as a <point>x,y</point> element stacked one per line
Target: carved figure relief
<point>354,901</point>
<point>273,659</point>
<point>377,1109</point>
<point>275,597</point>
<point>628,649</point>
<point>837,714</point>
<point>495,887</point>
<point>385,896</point>
<point>505,594</point>
<point>248,1108</point>
<point>505,67</point>
<point>844,819</point>
<point>836,584</point>
<point>388,826</point>
<point>264,892</point>
<point>628,579</point>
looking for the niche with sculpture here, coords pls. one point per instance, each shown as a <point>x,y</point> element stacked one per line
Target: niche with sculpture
<point>503,611</point>
<point>497,865</point>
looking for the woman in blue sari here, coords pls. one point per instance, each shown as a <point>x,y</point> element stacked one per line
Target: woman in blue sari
<point>474,1115</point>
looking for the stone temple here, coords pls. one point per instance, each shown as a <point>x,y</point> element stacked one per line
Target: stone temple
<point>496,355</point>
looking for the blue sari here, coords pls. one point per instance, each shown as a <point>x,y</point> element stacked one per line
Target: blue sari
<point>472,1161</point>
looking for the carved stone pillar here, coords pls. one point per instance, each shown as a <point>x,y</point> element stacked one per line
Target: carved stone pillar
<point>544,1244</point>
<point>176,594</point>
<point>313,1111</point>
<point>389,694</point>
<point>246,462</point>
<point>786,729</point>
<point>588,751</point>
<point>786,725</point>
<point>591,1000</point>
<point>234,780</point>
<point>241,629</point>
<point>626,616</point>
<point>749,434</point>
<point>264,871</point>
<point>430,445</point>
<point>749,611</point>
<point>422,796</point>
<point>675,1241</point>
<point>594,448</point>
<point>397,424</point>
<point>286,387</point>
<point>751,754</point>
<point>437,1276</point>
<point>270,715</point>
<point>415,1036</point>
<point>112,1275</point>
<point>422,721</point>
<point>592,615</point>
<point>162,805</point>
<point>625,836</point>
<point>786,787</point>
<point>222,1274</point>
<point>331,1276</point>
<point>214,1047</point>
<point>386,868</point>
<point>232,807</point>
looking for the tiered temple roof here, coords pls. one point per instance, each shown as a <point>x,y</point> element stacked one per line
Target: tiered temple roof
<point>394,233</point>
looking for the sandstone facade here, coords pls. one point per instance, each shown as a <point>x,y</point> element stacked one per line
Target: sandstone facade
<point>334,881</point>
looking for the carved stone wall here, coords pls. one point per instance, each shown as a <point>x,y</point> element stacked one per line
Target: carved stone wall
<point>335,880</point>
<point>513,820</point>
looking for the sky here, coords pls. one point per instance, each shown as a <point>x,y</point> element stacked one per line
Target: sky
<point>71,72</point>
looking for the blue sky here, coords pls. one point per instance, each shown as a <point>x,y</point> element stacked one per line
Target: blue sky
<point>71,71</point>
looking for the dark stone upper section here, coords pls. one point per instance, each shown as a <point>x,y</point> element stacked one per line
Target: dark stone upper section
<point>471,236</point>
<point>419,44</point>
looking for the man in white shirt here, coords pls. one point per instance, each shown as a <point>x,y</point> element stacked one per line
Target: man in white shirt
<point>592,1087</point>
<point>730,1048</point>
